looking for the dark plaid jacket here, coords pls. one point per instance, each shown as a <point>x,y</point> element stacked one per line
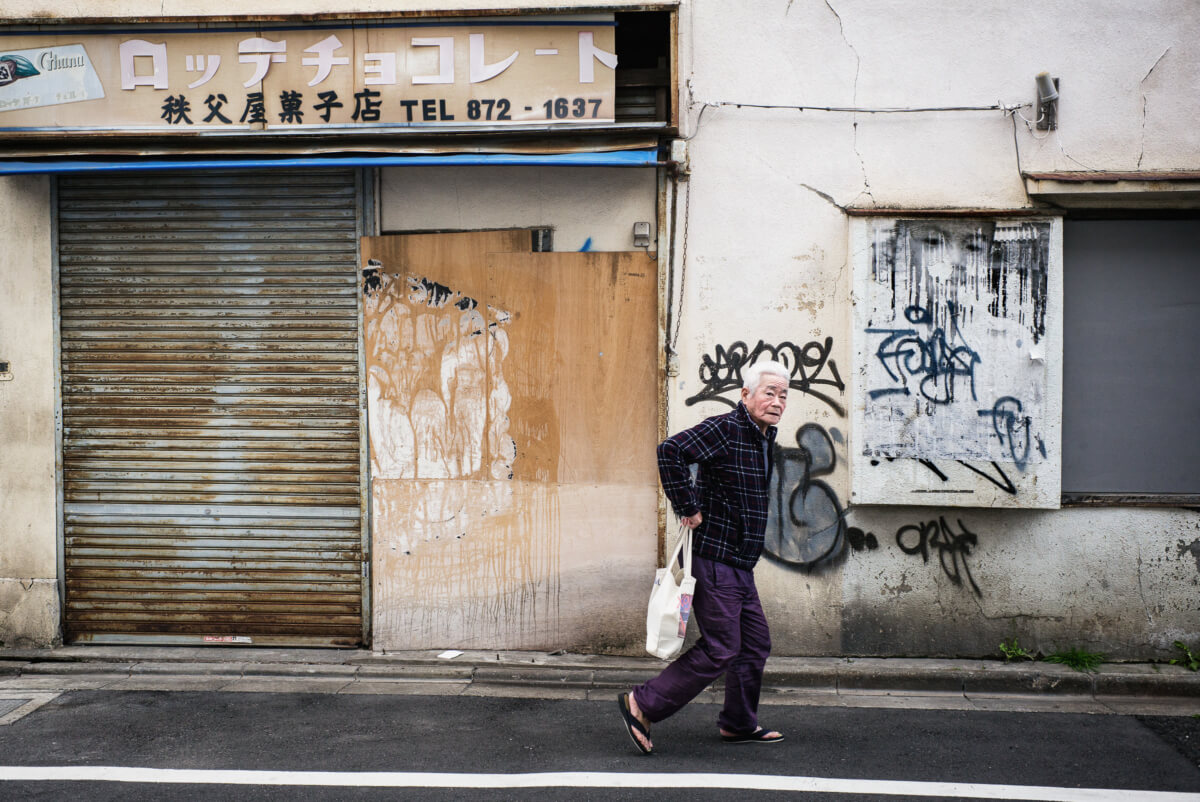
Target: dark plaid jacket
<point>730,487</point>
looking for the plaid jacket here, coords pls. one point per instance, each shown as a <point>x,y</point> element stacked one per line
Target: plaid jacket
<point>730,488</point>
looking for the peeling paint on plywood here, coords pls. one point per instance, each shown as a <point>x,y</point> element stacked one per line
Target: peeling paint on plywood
<point>466,563</point>
<point>489,564</point>
<point>437,397</point>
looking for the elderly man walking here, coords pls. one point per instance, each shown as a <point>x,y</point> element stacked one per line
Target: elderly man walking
<point>726,508</point>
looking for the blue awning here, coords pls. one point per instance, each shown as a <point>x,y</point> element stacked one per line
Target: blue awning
<point>617,158</point>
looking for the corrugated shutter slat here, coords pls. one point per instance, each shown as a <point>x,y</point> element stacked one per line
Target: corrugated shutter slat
<point>211,433</point>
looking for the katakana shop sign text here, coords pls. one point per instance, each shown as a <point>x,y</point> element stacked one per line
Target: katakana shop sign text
<point>294,79</point>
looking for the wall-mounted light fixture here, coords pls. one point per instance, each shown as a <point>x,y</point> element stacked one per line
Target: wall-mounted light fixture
<point>1047,102</point>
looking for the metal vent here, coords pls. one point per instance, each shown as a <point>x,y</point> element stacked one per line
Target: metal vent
<point>211,431</point>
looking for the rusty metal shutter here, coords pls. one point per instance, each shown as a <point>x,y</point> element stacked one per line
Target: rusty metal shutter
<point>211,451</point>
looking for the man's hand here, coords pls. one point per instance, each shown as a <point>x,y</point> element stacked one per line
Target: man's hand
<point>692,521</point>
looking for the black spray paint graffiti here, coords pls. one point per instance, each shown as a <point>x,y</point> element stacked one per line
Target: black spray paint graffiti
<point>422,290</point>
<point>952,547</point>
<point>810,367</point>
<point>1192,548</point>
<point>806,525</point>
<point>947,311</point>
<point>372,283</point>
<point>939,359</point>
<point>860,540</point>
<point>1013,429</point>
<point>999,478</point>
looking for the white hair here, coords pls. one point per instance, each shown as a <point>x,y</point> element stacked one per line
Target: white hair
<point>752,376</point>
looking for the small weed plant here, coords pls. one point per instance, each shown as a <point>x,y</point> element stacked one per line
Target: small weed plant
<point>1078,659</point>
<point>1013,650</point>
<point>1190,659</point>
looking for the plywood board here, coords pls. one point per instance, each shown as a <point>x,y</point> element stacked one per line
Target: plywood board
<point>513,424</point>
<point>582,364</point>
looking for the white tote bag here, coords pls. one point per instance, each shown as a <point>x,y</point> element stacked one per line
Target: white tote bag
<point>671,602</point>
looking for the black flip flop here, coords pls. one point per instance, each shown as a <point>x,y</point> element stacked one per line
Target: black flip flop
<point>759,736</point>
<point>631,724</point>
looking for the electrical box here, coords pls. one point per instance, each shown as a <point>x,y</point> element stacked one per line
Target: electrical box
<point>641,235</point>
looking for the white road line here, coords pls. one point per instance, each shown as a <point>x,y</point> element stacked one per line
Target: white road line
<point>581,779</point>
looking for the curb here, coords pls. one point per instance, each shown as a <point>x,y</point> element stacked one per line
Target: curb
<point>797,676</point>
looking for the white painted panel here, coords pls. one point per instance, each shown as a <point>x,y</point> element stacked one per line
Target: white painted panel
<point>957,349</point>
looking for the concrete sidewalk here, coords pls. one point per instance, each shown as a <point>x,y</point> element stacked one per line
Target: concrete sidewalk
<point>1125,688</point>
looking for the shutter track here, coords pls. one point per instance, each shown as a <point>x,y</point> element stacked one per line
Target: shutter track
<point>210,400</point>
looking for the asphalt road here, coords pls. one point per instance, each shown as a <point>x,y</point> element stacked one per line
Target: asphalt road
<point>434,735</point>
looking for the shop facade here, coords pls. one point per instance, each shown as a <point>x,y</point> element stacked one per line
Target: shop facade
<point>301,394</point>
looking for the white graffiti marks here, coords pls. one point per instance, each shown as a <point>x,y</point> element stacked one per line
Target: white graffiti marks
<point>438,401</point>
<point>953,352</point>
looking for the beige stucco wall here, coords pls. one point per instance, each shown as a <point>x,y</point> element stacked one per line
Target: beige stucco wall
<point>28,588</point>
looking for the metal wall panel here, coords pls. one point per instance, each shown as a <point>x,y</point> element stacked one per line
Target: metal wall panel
<point>211,403</point>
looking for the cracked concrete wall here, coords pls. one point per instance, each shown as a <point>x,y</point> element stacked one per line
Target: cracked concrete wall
<point>1123,582</point>
<point>28,559</point>
<point>1118,581</point>
<point>767,262</point>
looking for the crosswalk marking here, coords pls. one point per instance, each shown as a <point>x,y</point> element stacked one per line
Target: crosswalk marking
<point>17,705</point>
<point>582,779</point>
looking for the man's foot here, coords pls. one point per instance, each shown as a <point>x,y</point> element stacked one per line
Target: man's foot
<point>635,724</point>
<point>759,736</point>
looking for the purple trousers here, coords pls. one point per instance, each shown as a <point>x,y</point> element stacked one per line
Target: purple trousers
<point>734,641</point>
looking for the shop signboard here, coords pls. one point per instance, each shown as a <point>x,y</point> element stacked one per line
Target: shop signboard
<point>385,75</point>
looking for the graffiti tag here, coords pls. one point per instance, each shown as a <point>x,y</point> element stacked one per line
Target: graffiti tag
<point>810,367</point>
<point>952,547</point>
<point>1013,429</point>
<point>934,357</point>
<point>860,540</point>
<point>805,523</point>
<point>999,479</point>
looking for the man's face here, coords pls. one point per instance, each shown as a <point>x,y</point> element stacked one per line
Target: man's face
<point>768,401</point>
